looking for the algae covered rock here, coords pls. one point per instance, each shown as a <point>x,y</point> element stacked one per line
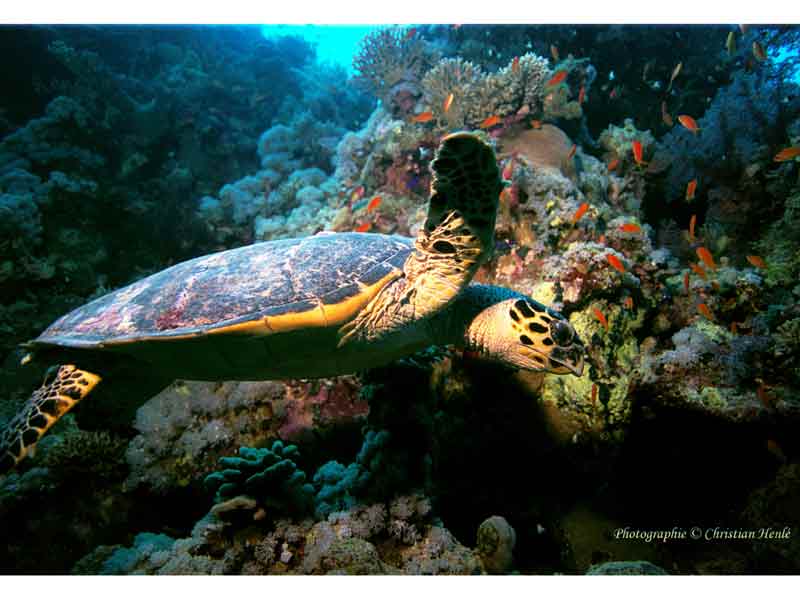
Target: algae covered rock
<point>640,567</point>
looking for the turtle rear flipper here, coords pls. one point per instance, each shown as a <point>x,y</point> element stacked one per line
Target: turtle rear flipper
<point>457,238</point>
<point>46,405</point>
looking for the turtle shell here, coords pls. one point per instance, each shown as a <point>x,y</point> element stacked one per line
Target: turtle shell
<point>261,289</point>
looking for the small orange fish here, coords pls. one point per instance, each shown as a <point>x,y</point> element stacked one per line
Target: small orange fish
<point>705,311</point>
<point>448,102</point>
<point>636,146</point>
<point>698,270</point>
<point>629,303</point>
<point>489,122</point>
<point>665,116</point>
<point>536,124</point>
<point>363,227</point>
<point>692,223</point>
<point>554,53</point>
<point>706,257</point>
<point>787,154</point>
<point>615,262</point>
<point>601,239</point>
<point>630,228</point>
<point>689,123</point>
<point>756,261</point>
<point>613,165</point>
<point>580,212</point>
<point>691,188</point>
<point>594,394</point>
<point>600,317</point>
<point>686,282</point>
<point>734,327</point>
<point>515,65</point>
<point>571,152</point>
<point>557,78</point>
<point>759,52</point>
<point>374,203</point>
<point>422,117</point>
<point>763,395</point>
<point>582,95</point>
<point>508,170</point>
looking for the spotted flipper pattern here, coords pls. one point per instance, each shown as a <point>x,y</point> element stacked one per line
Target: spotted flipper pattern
<point>58,394</point>
<point>457,238</point>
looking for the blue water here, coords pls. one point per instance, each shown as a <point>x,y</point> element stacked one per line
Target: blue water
<point>334,43</point>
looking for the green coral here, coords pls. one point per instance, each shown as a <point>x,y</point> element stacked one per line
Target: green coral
<point>268,475</point>
<point>780,248</point>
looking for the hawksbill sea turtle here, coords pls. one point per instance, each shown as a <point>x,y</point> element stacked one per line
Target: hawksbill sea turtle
<point>318,306</point>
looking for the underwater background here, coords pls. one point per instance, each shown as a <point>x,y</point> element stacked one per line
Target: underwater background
<point>653,198</point>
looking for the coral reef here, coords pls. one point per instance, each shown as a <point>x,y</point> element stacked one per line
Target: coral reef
<point>365,540</point>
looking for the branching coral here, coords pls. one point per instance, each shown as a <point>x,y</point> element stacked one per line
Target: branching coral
<point>477,95</point>
<point>389,63</point>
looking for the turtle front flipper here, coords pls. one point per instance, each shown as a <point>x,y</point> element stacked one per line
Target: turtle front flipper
<point>48,404</point>
<point>457,238</point>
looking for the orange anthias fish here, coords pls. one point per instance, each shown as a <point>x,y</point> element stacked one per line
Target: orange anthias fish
<point>698,270</point>
<point>636,145</point>
<point>582,95</point>
<point>629,303</point>
<point>692,223</point>
<point>374,203</point>
<point>630,228</point>
<point>536,124</point>
<point>515,65</point>
<point>489,122</point>
<point>691,188</point>
<point>756,261</point>
<point>734,328</point>
<point>705,311</point>
<point>554,53</point>
<point>580,212</point>
<point>615,262</point>
<point>689,123</point>
<point>508,170</point>
<point>759,52</point>
<point>448,102</point>
<point>787,154</point>
<point>422,117</point>
<point>600,317</point>
<point>363,227</point>
<point>572,151</point>
<point>613,164</point>
<point>686,282</point>
<point>557,78</point>
<point>706,257</point>
<point>763,395</point>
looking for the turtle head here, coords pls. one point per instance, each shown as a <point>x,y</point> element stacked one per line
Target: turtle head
<point>522,333</point>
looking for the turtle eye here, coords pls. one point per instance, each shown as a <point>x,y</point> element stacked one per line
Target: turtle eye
<point>562,332</point>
